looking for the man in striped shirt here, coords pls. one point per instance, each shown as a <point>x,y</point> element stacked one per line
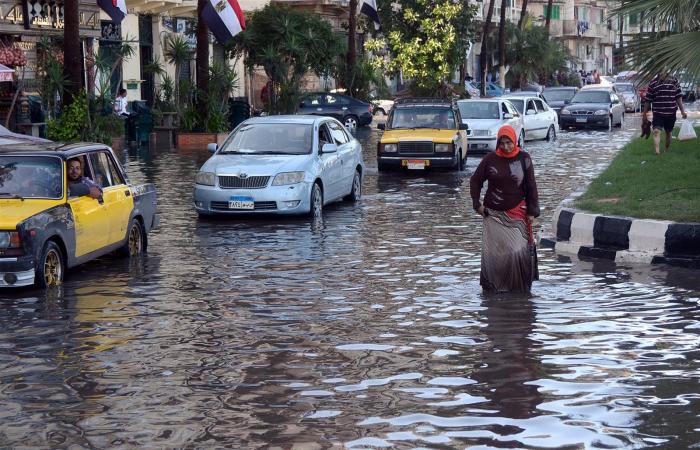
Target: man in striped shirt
<point>664,93</point>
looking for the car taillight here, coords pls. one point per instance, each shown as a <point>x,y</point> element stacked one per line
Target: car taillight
<point>10,244</point>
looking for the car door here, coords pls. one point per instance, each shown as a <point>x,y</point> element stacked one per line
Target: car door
<point>346,154</point>
<point>331,169</point>
<point>90,216</point>
<point>115,193</point>
<point>312,104</point>
<point>334,106</point>
<point>544,118</point>
<point>530,119</point>
<point>618,108</point>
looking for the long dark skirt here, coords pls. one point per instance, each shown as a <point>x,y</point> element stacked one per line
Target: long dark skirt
<point>508,256</point>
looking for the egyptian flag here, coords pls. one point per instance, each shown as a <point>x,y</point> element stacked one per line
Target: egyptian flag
<point>369,9</point>
<point>224,18</point>
<point>116,9</point>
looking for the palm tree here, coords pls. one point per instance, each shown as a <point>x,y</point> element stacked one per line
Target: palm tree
<point>177,52</point>
<point>523,14</point>
<point>202,62</point>
<point>548,20</point>
<point>73,64</point>
<point>484,48</point>
<point>673,42</point>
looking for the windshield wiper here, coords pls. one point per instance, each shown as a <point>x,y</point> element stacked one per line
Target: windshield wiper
<point>11,195</point>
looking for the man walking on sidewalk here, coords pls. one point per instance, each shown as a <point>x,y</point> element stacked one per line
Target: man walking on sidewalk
<point>664,93</point>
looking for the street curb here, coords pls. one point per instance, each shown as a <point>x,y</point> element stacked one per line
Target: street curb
<point>623,239</point>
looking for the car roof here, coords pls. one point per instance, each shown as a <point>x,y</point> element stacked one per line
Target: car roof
<point>560,88</point>
<point>412,102</point>
<point>48,148</point>
<point>597,87</point>
<point>606,90</point>
<point>300,119</point>
<point>523,94</point>
<point>488,99</point>
<point>522,97</point>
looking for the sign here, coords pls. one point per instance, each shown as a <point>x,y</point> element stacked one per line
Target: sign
<point>43,13</point>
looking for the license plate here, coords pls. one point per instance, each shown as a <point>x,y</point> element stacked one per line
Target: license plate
<point>582,119</point>
<point>241,203</point>
<point>415,164</point>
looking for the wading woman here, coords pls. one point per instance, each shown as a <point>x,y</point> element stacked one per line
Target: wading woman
<point>508,256</point>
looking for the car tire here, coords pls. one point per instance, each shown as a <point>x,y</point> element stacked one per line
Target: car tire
<point>51,268</point>
<point>609,126</point>
<point>551,134</point>
<point>356,191</point>
<point>382,167</point>
<point>462,161</point>
<point>351,122</point>
<point>135,242</point>
<point>316,201</point>
<point>622,120</point>
<point>521,139</point>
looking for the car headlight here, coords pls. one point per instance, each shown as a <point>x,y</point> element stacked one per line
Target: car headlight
<point>205,178</point>
<point>565,112</point>
<point>601,112</point>
<point>443,148</point>
<point>284,178</point>
<point>390,148</point>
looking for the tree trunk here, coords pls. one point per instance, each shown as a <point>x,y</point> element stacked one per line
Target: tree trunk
<point>502,45</point>
<point>548,20</point>
<point>523,13</point>
<point>484,48</point>
<point>621,54</point>
<point>73,64</point>
<point>351,57</point>
<point>202,72</point>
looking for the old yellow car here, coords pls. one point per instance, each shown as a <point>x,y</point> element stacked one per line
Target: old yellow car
<point>421,133</point>
<point>64,204</point>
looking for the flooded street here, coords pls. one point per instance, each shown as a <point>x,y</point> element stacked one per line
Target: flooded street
<point>366,330</point>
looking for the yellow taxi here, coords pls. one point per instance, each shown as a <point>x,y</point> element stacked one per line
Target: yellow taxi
<point>421,133</point>
<point>64,204</point>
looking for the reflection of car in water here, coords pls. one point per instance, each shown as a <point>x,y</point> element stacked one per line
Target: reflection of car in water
<point>46,227</point>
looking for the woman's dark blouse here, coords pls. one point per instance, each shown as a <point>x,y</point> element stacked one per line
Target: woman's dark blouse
<point>505,178</point>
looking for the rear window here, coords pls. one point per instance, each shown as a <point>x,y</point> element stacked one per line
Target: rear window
<point>31,177</point>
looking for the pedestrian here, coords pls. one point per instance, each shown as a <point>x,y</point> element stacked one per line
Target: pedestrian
<point>596,76</point>
<point>120,103</point>
<point>508,256</point>
<point>664,97</point>
<point>589,78</point>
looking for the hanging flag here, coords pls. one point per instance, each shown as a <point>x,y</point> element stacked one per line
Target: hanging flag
<point>369,9</point>
<point>116,9</point>
<point>224,18</point>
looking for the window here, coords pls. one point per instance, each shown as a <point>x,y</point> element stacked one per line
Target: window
<point>512,110</point>
<point>334,100</point>
<point>634,20</point>
<point>338,134</point>
<point>312,100</point>
<point>555,12</point>
<point>540,106</point>
<point>324,136</point>
<point>103,170</point>
<point>530,105</point>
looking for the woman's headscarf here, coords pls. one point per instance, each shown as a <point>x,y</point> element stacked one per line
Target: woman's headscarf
<point>509,132</point>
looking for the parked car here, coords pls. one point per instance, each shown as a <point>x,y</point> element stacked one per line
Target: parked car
<point>382,107</point>
<point>49,225</point>
<point>539,120</point>
<point>280,165</point>
<point>349,111</point>
<point>558,97</point>
<point>423,133</point>
<point>474,89</point>
<point>485,117</point>
<point>593,108</point>
<point>629,96</point>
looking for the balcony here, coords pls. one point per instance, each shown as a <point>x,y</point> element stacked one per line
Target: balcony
<point>583,29</point>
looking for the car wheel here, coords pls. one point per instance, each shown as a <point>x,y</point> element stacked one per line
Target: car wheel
<point>382,167</point>
<point>350,122</point>
<point>521,140</point>
<point>462,161</point>
<point>356,191</point>
<point>134,244</point>
<point>316,201</point>
<point>551,134</point>
<point>51,268</point>
<point>610,123</point>
<point>622,120</point>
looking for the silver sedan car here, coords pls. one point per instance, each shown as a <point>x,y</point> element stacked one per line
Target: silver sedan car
<point>280,165</point>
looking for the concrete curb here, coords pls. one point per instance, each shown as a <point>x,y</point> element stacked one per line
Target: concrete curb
<point>623,239</point>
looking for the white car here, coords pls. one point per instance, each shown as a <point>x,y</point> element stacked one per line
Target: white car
<point>382,107</point>
<point>485,117</point>
<point>539,120</point>
<point>280,165</point>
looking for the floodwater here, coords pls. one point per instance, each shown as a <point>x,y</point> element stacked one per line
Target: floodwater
<point>365,330</point>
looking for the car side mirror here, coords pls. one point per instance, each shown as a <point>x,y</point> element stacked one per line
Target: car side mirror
<point>507,116</point>
<point>329,148</point>
<point>463,126</point>
<point>212,148</point>
<point>530,112</point>
<point>381,126</point>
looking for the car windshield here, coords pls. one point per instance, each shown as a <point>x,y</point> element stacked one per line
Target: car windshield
<point>31,177</point>
<point>591,97</point>
<point>624,88</point>
<point>518,103</point>
<point>479,110</point>
<point>270,138</point>
<point>558,95</point>
<point>423,117</point>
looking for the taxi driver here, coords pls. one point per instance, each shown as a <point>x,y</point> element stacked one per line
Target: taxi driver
<point>79,185</point>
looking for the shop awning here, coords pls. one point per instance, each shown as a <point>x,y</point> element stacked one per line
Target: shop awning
<point>6,74</point>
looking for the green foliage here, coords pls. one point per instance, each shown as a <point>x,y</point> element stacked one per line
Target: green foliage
<point>72,125</point>
<point>50,75</point>
<point>364,78</point>
<point>222,81</point>
<point>425,39</point>
<point>288,43</point>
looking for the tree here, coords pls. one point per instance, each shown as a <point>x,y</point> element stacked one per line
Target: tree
<point>673,40</point>
<point>548,19</point>
<point>72,67</point>
<point>202,62</point>
<point>424,40</point>
<point>288,44</point>
<point>484,48</point>
<point>351,57</point>
<point>502,44</point>
<point>523,14</point>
